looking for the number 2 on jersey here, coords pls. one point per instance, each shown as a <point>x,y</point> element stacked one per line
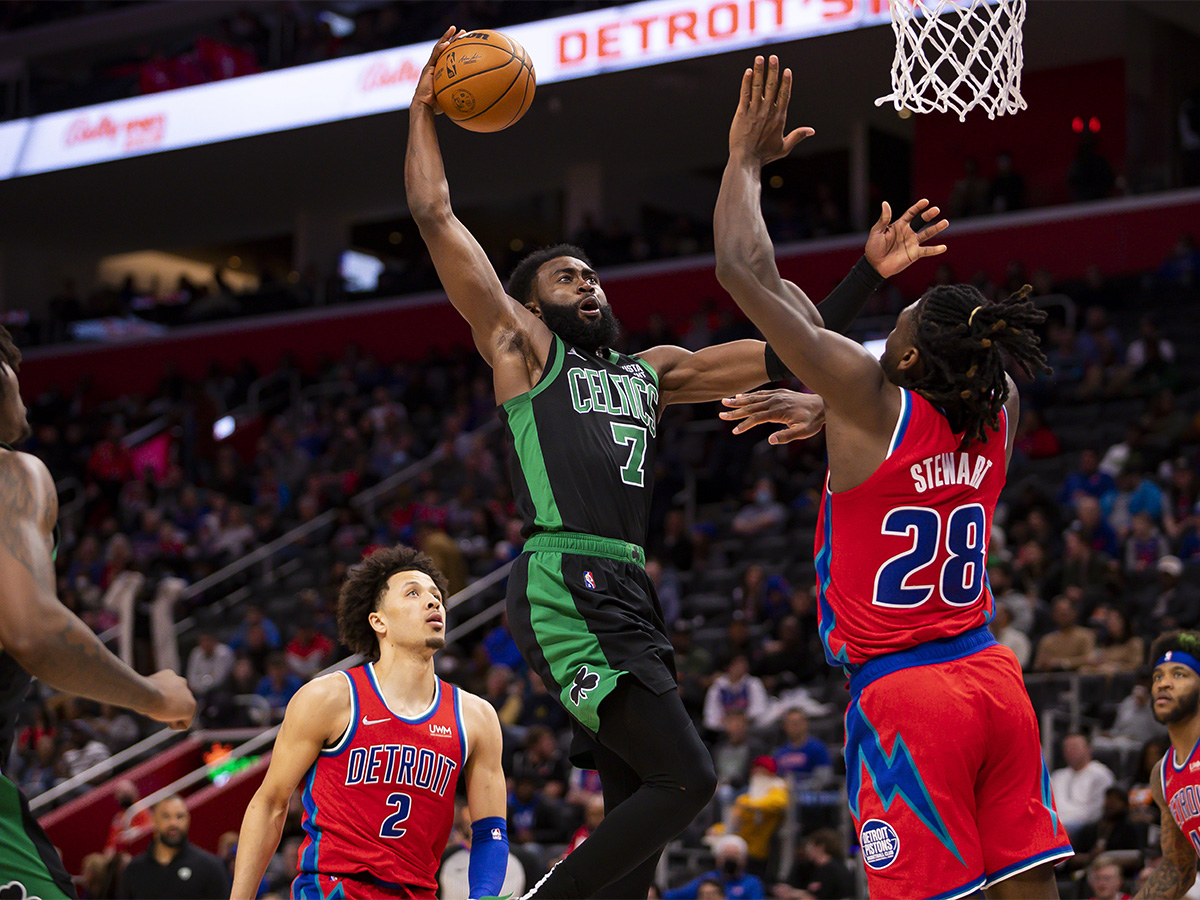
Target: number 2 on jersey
<point>961,578</point>
<point>403,804</point>
<point>635,437</point>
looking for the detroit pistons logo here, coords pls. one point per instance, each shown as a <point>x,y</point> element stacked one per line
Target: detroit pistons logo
<point>585,680</point>
<point>880,843</point>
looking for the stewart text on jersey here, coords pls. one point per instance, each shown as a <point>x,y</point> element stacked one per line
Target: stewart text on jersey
<point>901,558</point>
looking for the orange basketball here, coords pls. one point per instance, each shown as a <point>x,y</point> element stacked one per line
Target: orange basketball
<point>484,80</point>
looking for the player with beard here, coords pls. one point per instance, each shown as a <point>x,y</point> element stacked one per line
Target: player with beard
<point>1175,781</point>
<point>581,423</point>
<point>40,638</point>
<point>379,749</point>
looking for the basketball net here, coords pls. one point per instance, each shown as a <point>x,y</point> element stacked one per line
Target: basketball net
<point>954,55</point>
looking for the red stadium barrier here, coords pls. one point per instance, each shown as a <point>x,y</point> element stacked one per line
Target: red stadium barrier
<point>81,826</point>
<point>215,809</point>
<point>1122,236</point>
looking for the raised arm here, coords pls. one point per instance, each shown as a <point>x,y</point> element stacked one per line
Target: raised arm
<point>717,372</point>
<point>1177,869</point>
<point>840,370</point>
<point>712,373</point>
<point>316,716</point>
<point>486,798</point>
<point>506,333</point>
<point>44,637</point>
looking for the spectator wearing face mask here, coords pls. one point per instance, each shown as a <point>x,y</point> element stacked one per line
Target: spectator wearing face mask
<point>731,853</point>
<point>764,514</point>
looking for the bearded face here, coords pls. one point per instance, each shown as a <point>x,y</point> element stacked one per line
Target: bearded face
<point>586,325</point>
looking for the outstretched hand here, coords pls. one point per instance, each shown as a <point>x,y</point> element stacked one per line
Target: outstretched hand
<point>894,246</point>
<point>803,414</point>
<point>758,125</point>
<point>424,92</point>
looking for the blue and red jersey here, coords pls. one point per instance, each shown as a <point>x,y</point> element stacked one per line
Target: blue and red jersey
<point>379,805</point>
<point>1181,790</point>
<point>901,558</point>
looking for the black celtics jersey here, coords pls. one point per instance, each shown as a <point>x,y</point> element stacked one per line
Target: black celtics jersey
<point>582,444</point>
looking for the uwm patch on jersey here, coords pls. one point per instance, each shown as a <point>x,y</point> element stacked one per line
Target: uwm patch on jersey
<point>901,558</point>
<point>379,805</point>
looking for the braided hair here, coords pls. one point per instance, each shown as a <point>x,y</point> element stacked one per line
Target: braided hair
<point>960,336</point>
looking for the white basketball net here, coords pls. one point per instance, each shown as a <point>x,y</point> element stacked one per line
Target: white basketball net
<point>954,55</point>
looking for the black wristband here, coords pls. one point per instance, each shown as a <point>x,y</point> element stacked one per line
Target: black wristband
<point>776,370</point>
<point>867,272</point>
<point>839,310</point>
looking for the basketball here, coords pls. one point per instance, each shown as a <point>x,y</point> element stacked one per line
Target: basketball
<point>484,80</point>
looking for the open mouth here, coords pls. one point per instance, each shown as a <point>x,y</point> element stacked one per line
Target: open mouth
<point>590,307</point>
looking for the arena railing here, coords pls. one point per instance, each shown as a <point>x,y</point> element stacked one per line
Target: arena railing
<point>158,739</point>
<point>365,500</point>
<point>154,742</point>
<point>267,737</point>
<point>289,379</point>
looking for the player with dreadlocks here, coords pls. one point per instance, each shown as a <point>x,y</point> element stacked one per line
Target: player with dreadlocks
<point>1175,781</point>
<point>944,769</point>
<point>959,336</point>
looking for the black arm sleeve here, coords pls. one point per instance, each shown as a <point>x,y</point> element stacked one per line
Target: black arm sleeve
<point>846,301</point>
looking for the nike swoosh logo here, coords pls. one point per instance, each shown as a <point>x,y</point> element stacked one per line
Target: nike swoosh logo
<point>367,721</point>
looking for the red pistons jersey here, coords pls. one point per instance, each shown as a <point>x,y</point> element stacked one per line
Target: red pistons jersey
<point>1181,790</point>
<point>900,559</point>
<point>379,805</point>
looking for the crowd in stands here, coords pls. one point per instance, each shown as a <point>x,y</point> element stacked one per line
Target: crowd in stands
<point>1095,552</point>
<point>806,210</point>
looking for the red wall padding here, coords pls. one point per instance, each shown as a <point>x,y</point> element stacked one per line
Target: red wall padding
<point>1123,237</point>
<point>1040,138</point>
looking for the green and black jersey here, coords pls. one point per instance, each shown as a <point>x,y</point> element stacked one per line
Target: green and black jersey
<point>583,444</point>
<point>581,607</point>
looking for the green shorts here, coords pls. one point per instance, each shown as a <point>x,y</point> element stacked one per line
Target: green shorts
<point>29,864</point>
<point>584,613</point>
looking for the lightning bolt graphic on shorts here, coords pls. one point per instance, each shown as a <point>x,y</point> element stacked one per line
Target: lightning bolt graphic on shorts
<point>892,774</point>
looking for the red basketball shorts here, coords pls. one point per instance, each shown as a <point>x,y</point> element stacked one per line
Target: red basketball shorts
<point>308,886</point>
<point>944,771</point>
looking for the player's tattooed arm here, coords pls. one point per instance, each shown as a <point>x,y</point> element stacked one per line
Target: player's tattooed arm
<point>42,635</point>
<point>1177,870</point>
